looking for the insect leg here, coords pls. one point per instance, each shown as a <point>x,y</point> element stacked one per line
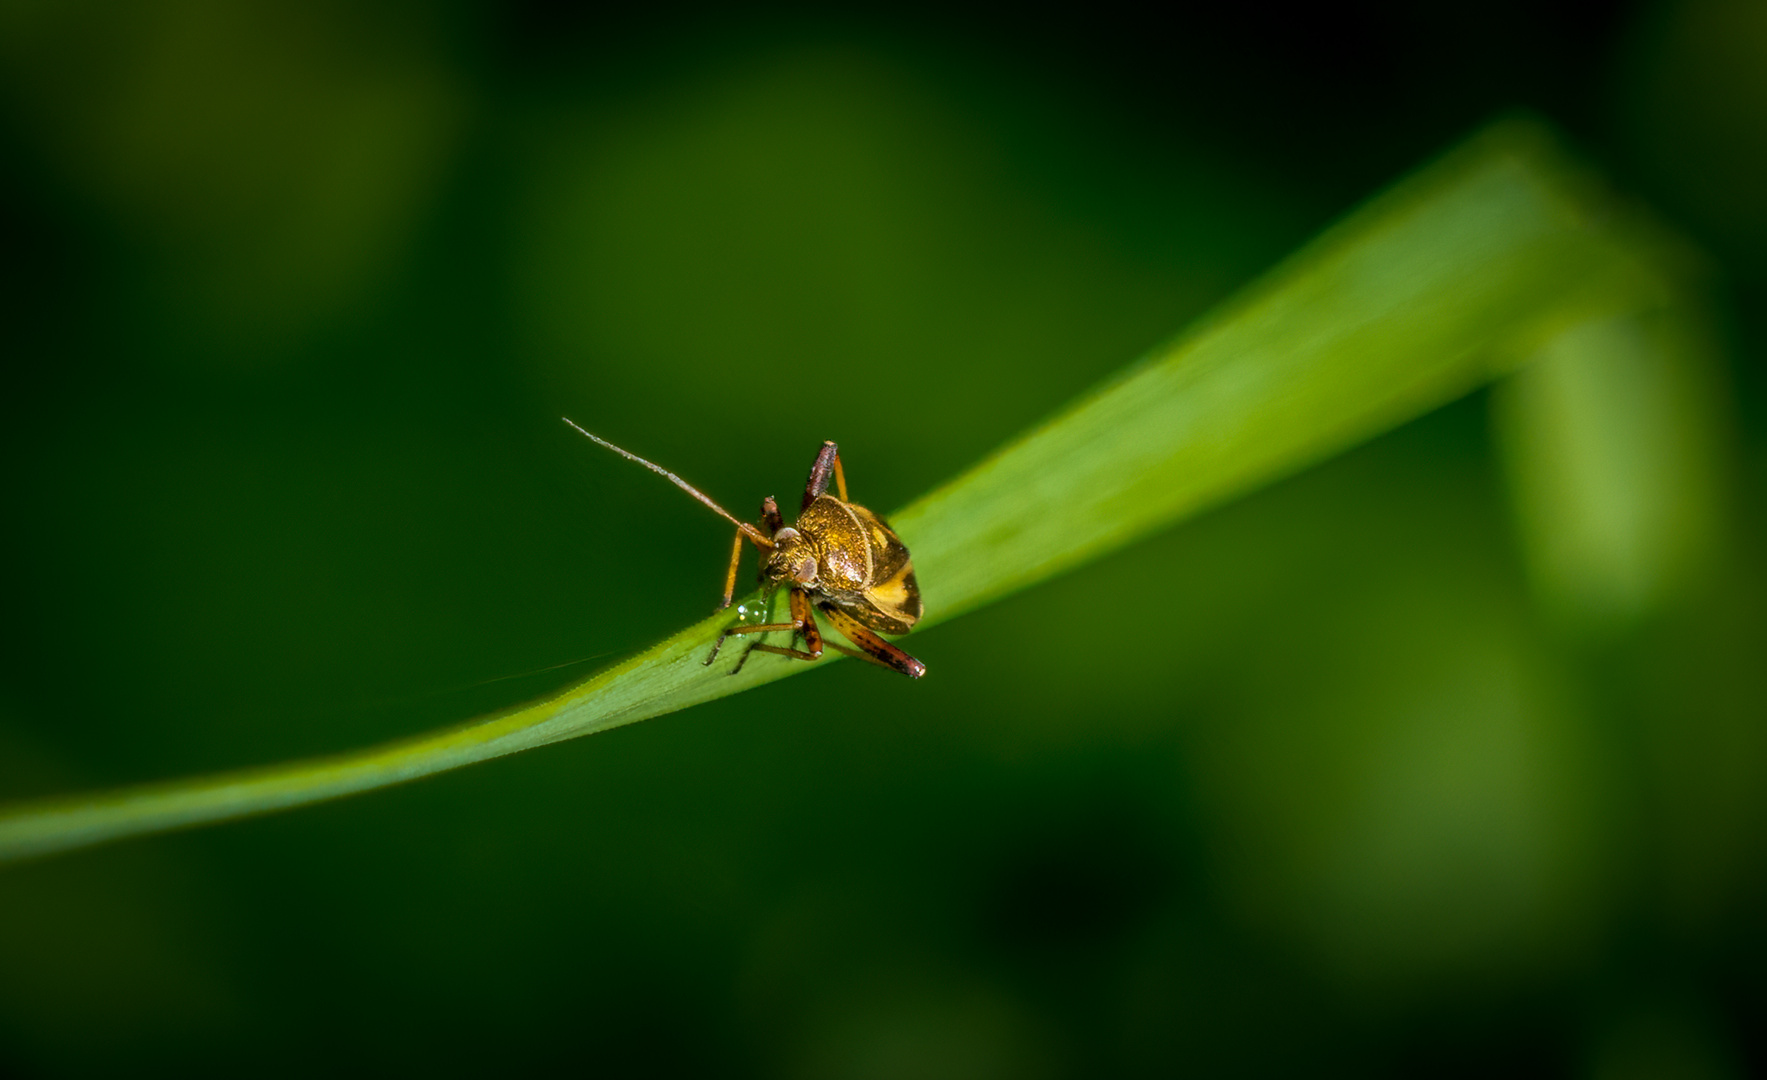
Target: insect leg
<point>805,617</point>
<point>828,461</point>
<point>873,646</point>
<point>777,650</point>
<point>858,655</point>
<point>758,628</point>
<point>730,577</point>
<point>772,522</point>
<point>804,623</point>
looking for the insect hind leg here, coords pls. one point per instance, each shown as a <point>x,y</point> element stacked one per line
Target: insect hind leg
<point>872,647</point>
<point>828,463</point>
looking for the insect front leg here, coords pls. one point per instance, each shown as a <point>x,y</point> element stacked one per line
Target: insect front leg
<point>771,522</point>
<point>803,623</point>
<point>730,577</point>
<point>757,628</point>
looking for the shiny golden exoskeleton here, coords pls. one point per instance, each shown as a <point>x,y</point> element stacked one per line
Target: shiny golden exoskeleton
<point>837,558</point>
<point>848,558</point>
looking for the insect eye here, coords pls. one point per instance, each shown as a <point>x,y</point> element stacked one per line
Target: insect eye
<point>785,535</point>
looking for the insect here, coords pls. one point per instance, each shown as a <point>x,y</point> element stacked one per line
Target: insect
<point>837,558</point>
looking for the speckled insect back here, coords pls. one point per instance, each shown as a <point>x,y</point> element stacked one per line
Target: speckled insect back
<point>837,558</point>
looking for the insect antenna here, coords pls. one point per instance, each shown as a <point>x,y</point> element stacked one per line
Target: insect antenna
<point>747,530</point>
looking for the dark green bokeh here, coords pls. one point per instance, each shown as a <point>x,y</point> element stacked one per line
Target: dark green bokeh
<point>1325,780</point>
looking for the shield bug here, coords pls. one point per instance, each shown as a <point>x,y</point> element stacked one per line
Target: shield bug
<point>837,558</point>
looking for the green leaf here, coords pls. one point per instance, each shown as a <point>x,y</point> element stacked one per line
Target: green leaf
<point>1451,279</point>
<point>1612,439</point>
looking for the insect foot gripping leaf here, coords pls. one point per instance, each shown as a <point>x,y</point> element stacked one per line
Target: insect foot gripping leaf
<point>837,558</point>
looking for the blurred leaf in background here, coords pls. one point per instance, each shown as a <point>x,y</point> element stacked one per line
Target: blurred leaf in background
<point>265,162</point>
<point>1444,756</point>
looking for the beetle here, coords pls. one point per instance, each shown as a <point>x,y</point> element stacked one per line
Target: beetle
<point>837,558</point>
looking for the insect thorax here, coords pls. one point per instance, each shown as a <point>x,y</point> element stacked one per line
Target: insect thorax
<point>830,538</point>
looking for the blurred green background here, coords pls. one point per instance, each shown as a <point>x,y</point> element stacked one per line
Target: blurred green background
<point>1349,776</point>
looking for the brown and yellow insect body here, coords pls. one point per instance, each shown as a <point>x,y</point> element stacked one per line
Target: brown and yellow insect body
<point>838,558</point>
<point>847,557</point>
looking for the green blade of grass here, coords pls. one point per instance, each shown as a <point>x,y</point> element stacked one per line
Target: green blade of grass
<point>1612,441</point>
<point>1433,288</point>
